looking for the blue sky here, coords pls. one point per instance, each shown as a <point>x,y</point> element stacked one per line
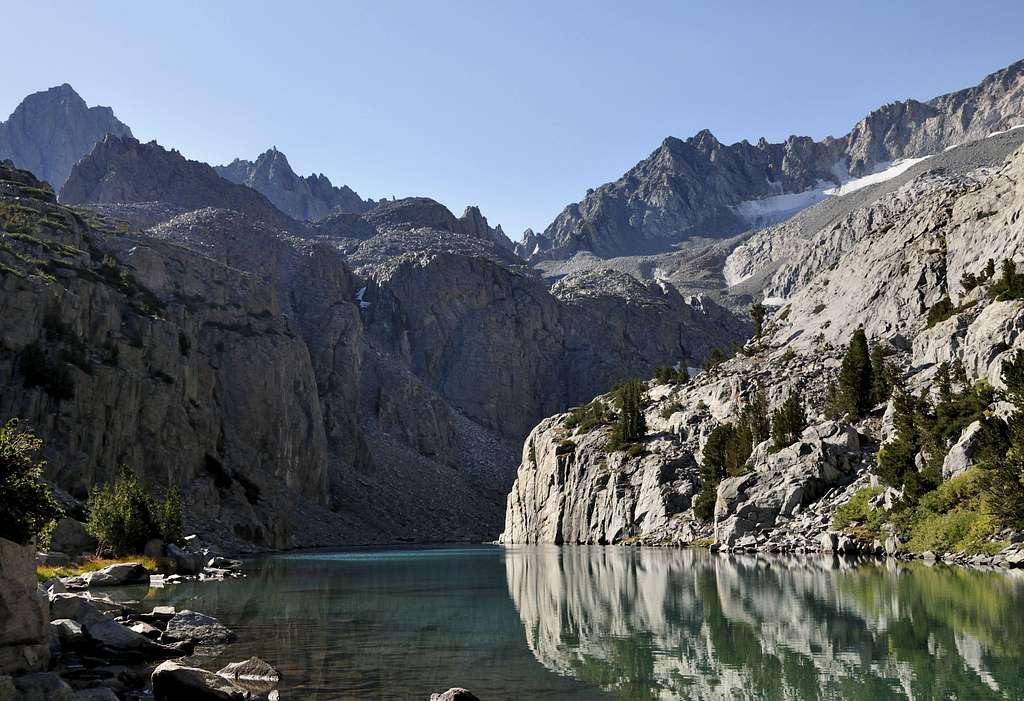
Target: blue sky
<point>518,107</point>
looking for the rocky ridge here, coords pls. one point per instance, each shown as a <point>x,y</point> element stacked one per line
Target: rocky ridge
<point>700,186</point>
<point>303,198</point>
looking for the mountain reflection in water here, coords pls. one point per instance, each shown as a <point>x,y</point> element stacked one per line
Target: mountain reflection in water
<point>655,623</point>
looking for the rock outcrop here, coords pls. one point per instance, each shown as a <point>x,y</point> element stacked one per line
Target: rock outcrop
<point>303,198</point>
<point>24,641</point>
<point>52,130</point>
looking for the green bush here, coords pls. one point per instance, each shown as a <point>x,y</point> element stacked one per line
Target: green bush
<point>26,504</point>
<point>953,518</point>
<point>122,516</point>
<point>665,375</point>
<point>858,517</point>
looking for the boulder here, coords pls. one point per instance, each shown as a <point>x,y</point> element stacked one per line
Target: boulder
<point>252,669</point>
<point>173,681</point>
<point>43,686</point>
<point>828,542</point>
<point>961,454</point>
<point>116,639</point>
<point>69,536</point>
<point>184,561</point>
<point>154,548</point>
<point>52,559</point>
<point>112,576</point>
<point>146,630</point>
<point>454,694</point>
<point>69,632</point>
<point>24,635</point>
<point>892,545</point>
<point>82,609</point>
<point>199,628</point>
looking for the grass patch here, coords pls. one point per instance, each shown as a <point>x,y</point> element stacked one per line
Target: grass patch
<point>153,565</point>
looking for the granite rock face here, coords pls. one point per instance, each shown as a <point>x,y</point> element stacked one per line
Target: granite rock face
<point>122,170</point>
<point>701,187</point>
<point>24,613</point>
<point>52,130</point>
<point>303,198</point>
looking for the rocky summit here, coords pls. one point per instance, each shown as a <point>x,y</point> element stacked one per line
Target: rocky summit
<point>304,198</point>
<point>50,131</point>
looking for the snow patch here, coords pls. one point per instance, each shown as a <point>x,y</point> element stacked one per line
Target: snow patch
<point>773,301</point>
<point>887,171</point>
<point>359,298</point>
<point>1003,131</point>
<point>776,208</point>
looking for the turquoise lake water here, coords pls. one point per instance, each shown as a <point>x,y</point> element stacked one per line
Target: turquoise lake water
<point>617,623</point>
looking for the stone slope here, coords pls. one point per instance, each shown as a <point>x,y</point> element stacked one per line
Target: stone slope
<point>121,170</point>
<point>50,131</point>
<point>700,186</point>
<point>881,268</point>
<point>305,198</point>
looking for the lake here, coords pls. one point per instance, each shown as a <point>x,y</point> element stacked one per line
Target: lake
<point>616,623</point>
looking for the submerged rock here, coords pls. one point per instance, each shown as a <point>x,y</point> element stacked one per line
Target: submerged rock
<point>454,694</point>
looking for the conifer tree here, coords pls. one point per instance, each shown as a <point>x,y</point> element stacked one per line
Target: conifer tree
<point>1002,451</point>
<point>630,425</point>
<point>788,422</point>
<point>856,379</point>
<point>757,314</point>
<point>882,375</point>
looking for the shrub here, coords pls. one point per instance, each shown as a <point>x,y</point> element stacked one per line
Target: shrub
<point>858,517</point>
<point>715,358</point>
<point>819,308</point>
<point>665,375</point>
<point>26,504</point>
<point>940,311</point>
<point>671,408</point>
<point>953,518</point>
<point>122,516</point>
<point>584,418</point>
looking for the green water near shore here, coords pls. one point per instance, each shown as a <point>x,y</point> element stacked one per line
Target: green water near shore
<point>616,623</point>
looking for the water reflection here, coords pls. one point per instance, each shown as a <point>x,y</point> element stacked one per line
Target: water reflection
<point>663,624</point>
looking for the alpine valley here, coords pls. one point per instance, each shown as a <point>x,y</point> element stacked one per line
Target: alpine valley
<point>797,347</point>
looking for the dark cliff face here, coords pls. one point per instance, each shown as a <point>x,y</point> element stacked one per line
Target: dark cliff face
<point>691,188</point>
<point>52,130</point>
<point>122,170</point>
<point>304,198</point>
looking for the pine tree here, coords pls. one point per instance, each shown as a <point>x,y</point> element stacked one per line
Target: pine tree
<point>788,422</point>
<point>757,314</point>
<point>882,375</point>
<point>1002,451</point>
<point>856,379</point>
<point>630,426</point>
<point>756,416</point>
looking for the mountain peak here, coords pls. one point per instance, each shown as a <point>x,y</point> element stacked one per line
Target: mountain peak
<point>53,129</point>
<point>307,198</point>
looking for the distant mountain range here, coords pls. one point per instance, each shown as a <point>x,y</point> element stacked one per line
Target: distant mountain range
<point>701,187</point>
